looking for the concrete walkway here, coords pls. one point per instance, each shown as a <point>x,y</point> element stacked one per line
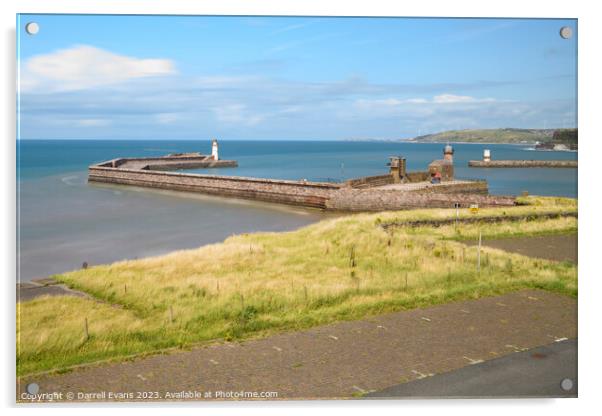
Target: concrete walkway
<point>550,247</point>
<point>417,186</point>
<point>41,287</point>
<point>342,360</point>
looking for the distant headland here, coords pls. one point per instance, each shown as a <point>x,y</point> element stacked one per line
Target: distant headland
<point>565,139</point>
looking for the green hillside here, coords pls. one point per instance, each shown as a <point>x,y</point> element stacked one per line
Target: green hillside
<point>492,136</point>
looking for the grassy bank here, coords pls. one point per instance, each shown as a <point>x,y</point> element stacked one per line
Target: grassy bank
<point>252,285</point>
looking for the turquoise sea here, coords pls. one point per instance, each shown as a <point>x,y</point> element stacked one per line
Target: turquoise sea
<point>63,221</point>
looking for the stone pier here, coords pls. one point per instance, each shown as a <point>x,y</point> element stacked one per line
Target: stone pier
<point>372,193</point>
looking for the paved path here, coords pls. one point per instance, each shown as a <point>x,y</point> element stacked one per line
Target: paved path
<point>415,186</point>
<point>538,372</point>
<point>36,288</point>
<point>550,247</point>
<point>341,360</point>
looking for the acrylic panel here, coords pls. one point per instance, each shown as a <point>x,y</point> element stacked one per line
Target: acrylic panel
<point>295,208</point>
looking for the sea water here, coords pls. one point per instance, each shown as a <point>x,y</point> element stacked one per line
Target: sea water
<point>64,221</point>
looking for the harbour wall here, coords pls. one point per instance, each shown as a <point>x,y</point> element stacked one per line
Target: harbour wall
<point>191,165</point>
<point>370,181</point>
<point>330,196</point>
<point>523,164</point>
<point>381,180</point>
<point>472,187</point>
<point>418,176</point>
<point>370,193</point>
<point>308,194</point>
<point>386,199</point>
<point>168,163</point>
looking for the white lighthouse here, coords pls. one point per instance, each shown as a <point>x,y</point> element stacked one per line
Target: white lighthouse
<point>448,153</point>
<point>486,155</point>
<point>214,149</point>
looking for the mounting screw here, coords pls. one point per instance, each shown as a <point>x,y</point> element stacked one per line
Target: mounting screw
<point>32,388</point>
<point>566,384</point>
<point>566,32</point>
<point>32,28</point>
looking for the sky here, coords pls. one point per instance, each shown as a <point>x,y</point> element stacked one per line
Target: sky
<point>312,78</point>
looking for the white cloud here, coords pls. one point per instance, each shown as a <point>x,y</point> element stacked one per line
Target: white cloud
<point>387,104</point>
<point>93,122</point>
<point>238,114</point>
<point>218,81</point>
<point>252,106</point>
<point>453,99</point>
<point>83,67</point>
<point>167,118</point>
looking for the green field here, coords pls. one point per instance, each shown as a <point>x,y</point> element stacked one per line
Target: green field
<point>255,284</point>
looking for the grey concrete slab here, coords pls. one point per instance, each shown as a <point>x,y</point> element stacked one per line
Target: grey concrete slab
<point>538,372</point>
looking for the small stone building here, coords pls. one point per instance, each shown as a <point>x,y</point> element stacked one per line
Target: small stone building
<point>444,166</point>
<point>398,169</point>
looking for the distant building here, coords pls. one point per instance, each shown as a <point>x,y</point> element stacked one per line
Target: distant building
<point>398,168</point>
<point>443,169</point>
<point>486,155</point>
<point>214,149</point>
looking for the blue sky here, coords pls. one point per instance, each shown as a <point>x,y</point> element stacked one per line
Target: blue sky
<point>162,77</point>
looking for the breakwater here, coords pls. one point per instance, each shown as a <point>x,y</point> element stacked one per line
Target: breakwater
<point>169,162</point>
<point>523,164</point>
<point>365,200</point>
<point>308,194</point>
<point>374,193</point>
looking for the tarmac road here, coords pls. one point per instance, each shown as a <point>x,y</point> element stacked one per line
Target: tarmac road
<point>534,373</point>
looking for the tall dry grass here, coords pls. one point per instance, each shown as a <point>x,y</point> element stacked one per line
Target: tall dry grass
<point>253,284</point>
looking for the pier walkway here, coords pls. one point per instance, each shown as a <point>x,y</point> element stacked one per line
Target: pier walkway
<point>416,186</point>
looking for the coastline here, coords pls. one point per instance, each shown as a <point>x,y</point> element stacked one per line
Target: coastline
<point>64,221</point>
<point>436,142</point>
<point>108,223</point>
<point>260,283</point>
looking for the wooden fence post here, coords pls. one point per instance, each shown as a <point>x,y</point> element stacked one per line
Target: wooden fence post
<point>479,254</point>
